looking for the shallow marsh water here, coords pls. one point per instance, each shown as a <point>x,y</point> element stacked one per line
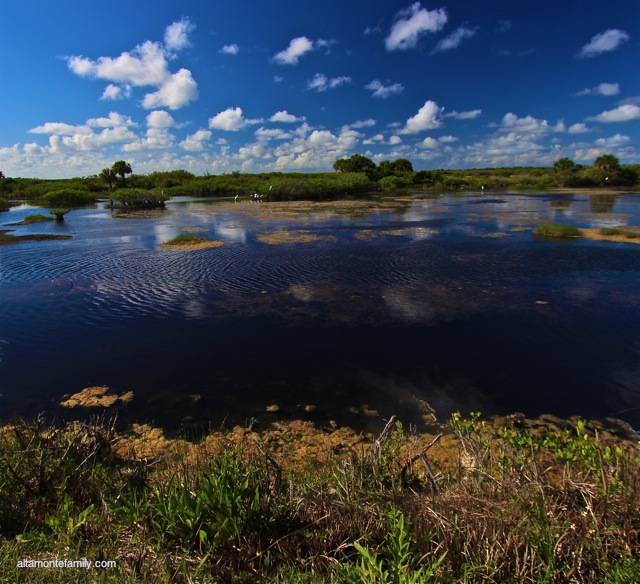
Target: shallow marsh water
<point>347,311</point>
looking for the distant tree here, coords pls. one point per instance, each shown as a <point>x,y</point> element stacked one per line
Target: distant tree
<point>565,169</point>
<point>1,175</point>
<point>109,176</point>
<point>607,163</point>
<point>402,165</point>
<point>121,168</point>
<point>355,163</point>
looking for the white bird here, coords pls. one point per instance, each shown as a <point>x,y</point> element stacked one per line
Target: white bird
<point>235,198</point>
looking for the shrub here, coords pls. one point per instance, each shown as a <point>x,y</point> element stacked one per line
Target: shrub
<point>4,204</point>
<point>59,213</point>
<point>68,196</point>
<point>621,232</point>
<point>140,198</point>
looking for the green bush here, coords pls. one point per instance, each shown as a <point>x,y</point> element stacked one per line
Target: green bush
<point>140,198</point>
<point>68,196</point>
<point>4,204</point>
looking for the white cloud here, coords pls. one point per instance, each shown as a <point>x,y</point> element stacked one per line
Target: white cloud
<point>195,142</point>
<point>395,140</point>
<point>578,129</point>
<point>285,117</point>
<point>177,91</point>
<point>157,138</point>
<point>427,118</point>
<point>60,129</point>
<point>114,92</point>
<point>368,123</point>
<point>411,24</point>
<point>145,65</point>
<point>113,120</point>
<point>176,35</point>
<point>296,49</point>
<point>528,125</point>
<point>160,119</point>
<point>622,113</point>
<point>231,120</point>
<point>604,42</point>
<point>454,39</point>
<point>602,89</point>
<point>469,115</point>
<point>614,142</point>
<point>230,49</point>
<point>321,82</point>
<point>271,134</point>
<point>384,91</point>
<point>430,143</point>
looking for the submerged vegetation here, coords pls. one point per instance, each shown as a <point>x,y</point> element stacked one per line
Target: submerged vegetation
<point>476,502</point>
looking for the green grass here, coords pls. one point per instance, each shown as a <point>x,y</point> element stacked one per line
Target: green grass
<point>621,232</point>
<point>185,240</point>
<point>510,505</point>
<point>29,219</point>
<point>557,230</point>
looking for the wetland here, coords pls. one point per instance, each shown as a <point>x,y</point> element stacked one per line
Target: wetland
<point>341,313</point>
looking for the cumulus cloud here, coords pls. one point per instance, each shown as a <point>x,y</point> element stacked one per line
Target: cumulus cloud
<point>176,35</point>
<point>616,141</point>
<point>606,89</point>
<point>146,65</point>
<point>296,49</point>
<point>285,117</point>
<point>196,142</point>
<point>113,120</point>
<point>606,41</point>
<point>178,90</point>
<point>230,49</point>
<point>231,120</point>
<point>411,24</point>
<point>321,82</point>
<point>160,119</point>
<point>623,113</point>
<point>455,39</point>
<point>383,91</point>
<point>60,129</point>
<point>427,118</point>
<point>578,129</point>
<point>528,125</point>
<point>271,134</point>
<point>368,123</point>
<point>115,92</point>
<point>468,115</point>
<point>430,143</point>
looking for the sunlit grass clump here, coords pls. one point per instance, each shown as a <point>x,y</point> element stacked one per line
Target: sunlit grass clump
<point>191,242</point>
<point>557,230</point>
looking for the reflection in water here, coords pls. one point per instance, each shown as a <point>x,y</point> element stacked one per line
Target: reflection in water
<point>448,300</point>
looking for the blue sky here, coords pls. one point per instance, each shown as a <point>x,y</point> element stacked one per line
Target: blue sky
<point>255,86</point>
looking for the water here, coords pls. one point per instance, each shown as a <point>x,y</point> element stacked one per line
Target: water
<point>448,300</point>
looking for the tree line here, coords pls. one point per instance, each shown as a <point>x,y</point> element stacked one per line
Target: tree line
<point>352,176</point>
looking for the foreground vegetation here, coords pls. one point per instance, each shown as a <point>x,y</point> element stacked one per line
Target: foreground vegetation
<point>354,176</point>
<point>504,503</point>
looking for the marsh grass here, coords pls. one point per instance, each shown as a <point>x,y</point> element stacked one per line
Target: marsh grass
<point>508,504</point>
<point>609,231</point>
<point>557,230</point>
<point>38,218</point>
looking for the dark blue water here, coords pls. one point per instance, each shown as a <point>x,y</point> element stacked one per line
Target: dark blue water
<point>448,300</point>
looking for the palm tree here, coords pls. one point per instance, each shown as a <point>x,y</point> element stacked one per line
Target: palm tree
<point>121,168</point>
<point>607,162</point>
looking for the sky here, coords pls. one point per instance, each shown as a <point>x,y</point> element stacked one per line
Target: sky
<point>293,85</point>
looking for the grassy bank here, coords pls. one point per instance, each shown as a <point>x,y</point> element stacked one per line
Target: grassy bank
<point>475,501</point>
